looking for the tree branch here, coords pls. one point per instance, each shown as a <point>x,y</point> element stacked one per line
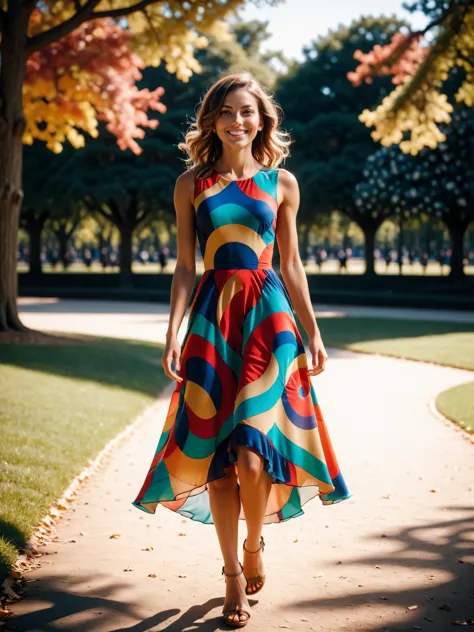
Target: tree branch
<point>120,13</point>
<point>41,40</point>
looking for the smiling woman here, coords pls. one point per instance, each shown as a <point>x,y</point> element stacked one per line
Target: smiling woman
<point>244,435</point>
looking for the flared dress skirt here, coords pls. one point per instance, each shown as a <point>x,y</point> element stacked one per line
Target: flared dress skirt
<point>244,369</point>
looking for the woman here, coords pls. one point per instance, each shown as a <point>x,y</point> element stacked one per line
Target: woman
<point>244,436</point>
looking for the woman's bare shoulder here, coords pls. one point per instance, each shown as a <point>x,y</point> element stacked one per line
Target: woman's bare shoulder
<point>185,184</point>
<point>286,178</point>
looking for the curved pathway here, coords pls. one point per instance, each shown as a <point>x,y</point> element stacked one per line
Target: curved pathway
<point>397,556</point>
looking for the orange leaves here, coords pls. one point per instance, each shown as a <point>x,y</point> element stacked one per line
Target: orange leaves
<point>87,76</point>
<point>400,58</point>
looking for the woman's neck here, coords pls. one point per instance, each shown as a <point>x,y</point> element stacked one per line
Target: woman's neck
<point>237,164</point>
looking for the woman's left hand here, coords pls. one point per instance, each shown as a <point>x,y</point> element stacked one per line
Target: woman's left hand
<point>318,355</point>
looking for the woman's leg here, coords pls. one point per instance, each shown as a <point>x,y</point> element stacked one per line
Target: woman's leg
<point>225,507</point>
<point>255,486</point>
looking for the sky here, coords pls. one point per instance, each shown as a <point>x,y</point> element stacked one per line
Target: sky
<point>296,23</point>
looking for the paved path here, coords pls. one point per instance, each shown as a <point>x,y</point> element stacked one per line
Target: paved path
<point>403,541</point>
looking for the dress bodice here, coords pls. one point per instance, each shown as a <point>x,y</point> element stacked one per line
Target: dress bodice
<point>236,220</point>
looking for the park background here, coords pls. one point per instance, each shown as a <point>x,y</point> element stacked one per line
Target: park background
<point>386,215</point>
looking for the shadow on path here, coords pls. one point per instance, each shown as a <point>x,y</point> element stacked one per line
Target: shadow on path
<point>436,549</point>
<point>440,552</point>
<point>87,613</point>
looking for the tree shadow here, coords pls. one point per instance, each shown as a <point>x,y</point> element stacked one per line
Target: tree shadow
<point>131,365</point>
<point>86,612</point>
<point>430,547</point>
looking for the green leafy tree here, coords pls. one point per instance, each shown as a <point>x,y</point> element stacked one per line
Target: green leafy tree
<point>322,109</point>
<point>438,183</point>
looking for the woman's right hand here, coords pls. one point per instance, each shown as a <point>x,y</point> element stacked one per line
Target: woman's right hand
<point>172,353</point>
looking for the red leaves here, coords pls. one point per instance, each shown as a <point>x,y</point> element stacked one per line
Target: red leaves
<point>400,58</point>
<point>92,72</point>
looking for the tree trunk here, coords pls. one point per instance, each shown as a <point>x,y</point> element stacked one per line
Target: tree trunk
<point>35,227</point>
<point>369,235</point>
<point>125,256</point>
<point>457,232</point>
<point>12,126</point>
<point>63,238</point>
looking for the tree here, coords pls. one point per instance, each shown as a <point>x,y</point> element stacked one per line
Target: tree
<point>155,30</point>
<point>413,114</point>
<point>436,182</point>
<point>122,187</point>
<point>321,111</point>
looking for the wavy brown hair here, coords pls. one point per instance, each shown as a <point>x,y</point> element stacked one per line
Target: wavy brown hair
<point>204,148</point>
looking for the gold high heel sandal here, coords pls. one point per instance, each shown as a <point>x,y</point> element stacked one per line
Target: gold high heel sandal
<point>229,616</point>
<point>258,579</point>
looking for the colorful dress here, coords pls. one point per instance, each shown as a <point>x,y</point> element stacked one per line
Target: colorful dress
<point>244,368</point>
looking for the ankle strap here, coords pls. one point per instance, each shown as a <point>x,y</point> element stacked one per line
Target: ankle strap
<point>232,574</point>
<point>260,548</point>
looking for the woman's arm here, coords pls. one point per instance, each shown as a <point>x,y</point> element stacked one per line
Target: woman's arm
<point>292,269</point>
<point>185,272</point>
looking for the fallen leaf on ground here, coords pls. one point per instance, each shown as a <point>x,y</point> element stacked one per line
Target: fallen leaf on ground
<point>182,576</point>
<point>127,569</point>
<point>152,575</point>
<point>72,540</point>
<point>464,622</point>
<point>295,540</point>
<point>148,548</point>
<point>433,491</point>
<point>114,536</point>
<point>181,534</point>
<point>377,567</point>
<point>413,607</point>
<point>384,598</point>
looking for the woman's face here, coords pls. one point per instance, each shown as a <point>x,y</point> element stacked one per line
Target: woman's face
<point>239,120</point>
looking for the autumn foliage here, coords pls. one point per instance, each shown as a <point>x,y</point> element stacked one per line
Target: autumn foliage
<point>87,76</point>
<point>400,58</point>
<point>413,114</point>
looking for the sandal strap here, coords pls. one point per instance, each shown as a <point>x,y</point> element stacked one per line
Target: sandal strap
<point>232,574</point>
<point>260,548</point>
<point>236,611</point>
<point>257,578</point>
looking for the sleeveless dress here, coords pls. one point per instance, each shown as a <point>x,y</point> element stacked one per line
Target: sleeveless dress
<point>244,368</point>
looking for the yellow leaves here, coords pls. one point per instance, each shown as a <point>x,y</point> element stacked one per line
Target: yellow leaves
<point>419,115</point>
<point>417,107</point>
<point>465,94</point>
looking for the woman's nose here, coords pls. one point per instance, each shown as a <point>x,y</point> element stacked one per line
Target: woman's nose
<point>237,118</point>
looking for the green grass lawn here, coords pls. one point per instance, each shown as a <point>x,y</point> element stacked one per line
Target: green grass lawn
<point>457,404</point>
<point>59,406</point>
